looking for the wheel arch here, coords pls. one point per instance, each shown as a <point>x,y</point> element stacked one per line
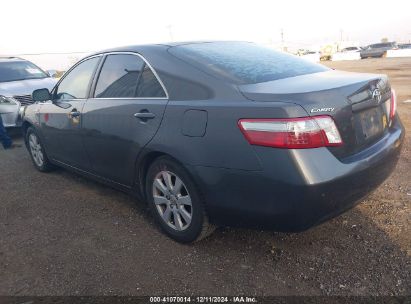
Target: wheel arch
<point>143,164</point>
<point>24,127</point>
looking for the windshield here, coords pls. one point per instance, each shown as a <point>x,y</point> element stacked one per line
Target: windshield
<point>20,70</point>
<point>243,62</point>
<point>351,48</point>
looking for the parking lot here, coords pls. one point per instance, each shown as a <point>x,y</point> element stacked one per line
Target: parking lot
<point>61,234</point>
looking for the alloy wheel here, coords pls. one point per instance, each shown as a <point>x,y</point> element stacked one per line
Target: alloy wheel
<point>172,200</point>
<point>35,149</point>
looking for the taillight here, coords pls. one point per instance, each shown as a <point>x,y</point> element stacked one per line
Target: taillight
<point>292,133</point>
<point>393,104</point>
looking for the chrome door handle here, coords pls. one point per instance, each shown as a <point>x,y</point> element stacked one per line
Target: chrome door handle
<point>144,115</point>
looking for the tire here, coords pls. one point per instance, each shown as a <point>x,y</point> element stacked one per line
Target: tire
<point>175,202</point>
<point>37,152</point>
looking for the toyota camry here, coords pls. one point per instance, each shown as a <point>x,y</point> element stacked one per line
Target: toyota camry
<point>220,133</point>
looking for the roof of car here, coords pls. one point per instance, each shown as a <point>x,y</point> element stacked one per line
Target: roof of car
<point>10,58</point>
<point>384,43</point>
<point>156,46</point>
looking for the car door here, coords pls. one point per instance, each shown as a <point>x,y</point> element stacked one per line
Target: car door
<point>122,116</point>
<point>376,51</point>
<point>61,120</point>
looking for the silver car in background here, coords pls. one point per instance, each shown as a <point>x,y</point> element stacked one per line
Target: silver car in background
<point>18,79</point>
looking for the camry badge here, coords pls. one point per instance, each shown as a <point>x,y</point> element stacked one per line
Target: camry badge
<point>316,110</point>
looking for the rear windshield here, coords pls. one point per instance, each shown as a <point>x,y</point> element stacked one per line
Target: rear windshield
<point>19,70</point>
<point>243,62</point>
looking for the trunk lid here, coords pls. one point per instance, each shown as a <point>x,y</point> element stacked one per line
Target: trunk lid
<point>357,102</point>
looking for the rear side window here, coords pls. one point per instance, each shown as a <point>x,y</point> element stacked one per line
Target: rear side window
<point>149,85</point>
<point>243,62</point>
<point>119,76</point>
<point>76,83</point>
<point>127,76</point>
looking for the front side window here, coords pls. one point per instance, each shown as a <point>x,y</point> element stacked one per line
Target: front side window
<point>76,83</point>
<point>20,70</point>
<point>127,76</point>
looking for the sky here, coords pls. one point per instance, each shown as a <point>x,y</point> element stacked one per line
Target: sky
<point>48,26</point>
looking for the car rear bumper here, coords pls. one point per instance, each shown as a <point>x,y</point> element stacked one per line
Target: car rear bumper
<point>297,189</point>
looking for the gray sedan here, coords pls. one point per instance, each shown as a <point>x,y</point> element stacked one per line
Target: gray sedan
<point>219,133</point>
<point>378,49</point>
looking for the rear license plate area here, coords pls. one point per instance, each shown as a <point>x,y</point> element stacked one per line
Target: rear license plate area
<point>369,125</point>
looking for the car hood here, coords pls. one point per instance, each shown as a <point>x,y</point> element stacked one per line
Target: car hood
<point>25,87</point>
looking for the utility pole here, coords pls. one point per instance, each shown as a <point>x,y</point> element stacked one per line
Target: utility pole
<point>282,40</point>
<point>170,31</point>
<point>341,35</point>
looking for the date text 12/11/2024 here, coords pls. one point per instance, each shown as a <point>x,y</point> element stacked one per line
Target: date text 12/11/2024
<point>203,299</point>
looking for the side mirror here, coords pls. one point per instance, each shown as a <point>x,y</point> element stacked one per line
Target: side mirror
<point>41,95</point>
<point>52,73</point>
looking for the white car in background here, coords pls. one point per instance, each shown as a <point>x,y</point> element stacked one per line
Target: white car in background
<point>404,50</point>
<point>18,79</point>
<point>348,53</point>
<point>312,56</point>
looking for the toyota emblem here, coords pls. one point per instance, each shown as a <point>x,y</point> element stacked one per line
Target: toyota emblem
<point>376,95</point>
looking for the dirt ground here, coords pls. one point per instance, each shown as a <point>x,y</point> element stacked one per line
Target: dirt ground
<point>390,204</point>
<point>61,234</point>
